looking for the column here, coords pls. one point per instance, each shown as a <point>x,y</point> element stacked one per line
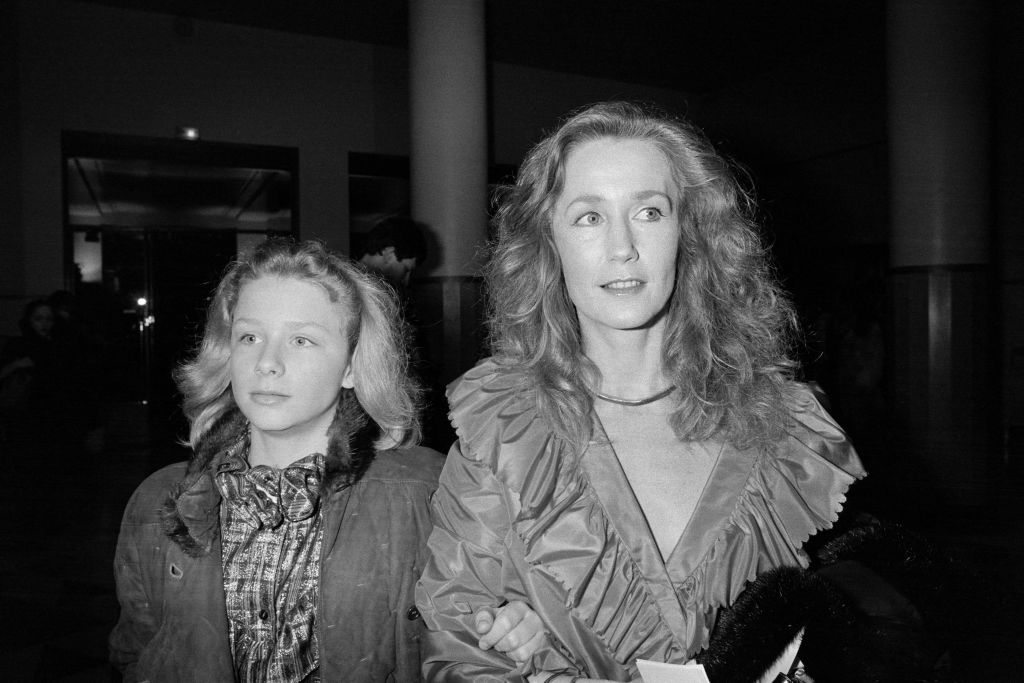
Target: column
<point>941,361</point>
<point>448,167</point>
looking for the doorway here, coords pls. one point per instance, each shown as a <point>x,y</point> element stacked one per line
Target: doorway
<point>150,226</point>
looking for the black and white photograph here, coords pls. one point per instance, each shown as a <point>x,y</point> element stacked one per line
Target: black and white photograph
<point>543,341</point>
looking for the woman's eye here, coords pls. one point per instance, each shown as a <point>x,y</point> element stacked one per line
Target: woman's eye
<point>589,218</point>
<point>247,338</point>
<point>650,213</point>
<point>303,341</point>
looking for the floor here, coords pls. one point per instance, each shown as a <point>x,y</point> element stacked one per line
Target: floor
<point>62,519</point>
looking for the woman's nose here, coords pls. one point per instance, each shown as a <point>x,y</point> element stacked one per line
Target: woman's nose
<point>621,243</point>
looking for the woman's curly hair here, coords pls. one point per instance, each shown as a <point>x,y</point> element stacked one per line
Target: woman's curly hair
<point>380,359</point>
<point>729,324</point>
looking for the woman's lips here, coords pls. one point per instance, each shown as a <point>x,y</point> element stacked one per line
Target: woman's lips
<point>628,286</point>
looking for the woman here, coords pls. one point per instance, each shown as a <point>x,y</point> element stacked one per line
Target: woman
<point>636,449</point>
<point>288,547</point>
<point>33,399</point>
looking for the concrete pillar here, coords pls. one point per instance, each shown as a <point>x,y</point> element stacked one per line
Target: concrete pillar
<point>939,130</point>
<point>448,169</point>
<point>1009,192</point>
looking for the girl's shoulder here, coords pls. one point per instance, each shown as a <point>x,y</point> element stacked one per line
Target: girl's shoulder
<point>150,495</point>
<point>412,465</point>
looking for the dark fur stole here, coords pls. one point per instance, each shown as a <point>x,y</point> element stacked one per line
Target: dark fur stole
<point>870,608</point>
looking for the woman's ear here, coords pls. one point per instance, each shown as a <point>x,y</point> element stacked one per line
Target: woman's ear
<point>347,380</point>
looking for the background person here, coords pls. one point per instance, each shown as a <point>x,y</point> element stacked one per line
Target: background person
<point>393,249</point>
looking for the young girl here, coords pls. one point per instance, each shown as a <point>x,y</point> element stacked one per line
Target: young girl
<point>288,547</point>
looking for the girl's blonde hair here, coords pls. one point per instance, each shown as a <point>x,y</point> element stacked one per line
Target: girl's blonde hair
<point>376,333</point>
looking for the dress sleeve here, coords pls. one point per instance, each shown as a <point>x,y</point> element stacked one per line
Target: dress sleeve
<point>464,572</point>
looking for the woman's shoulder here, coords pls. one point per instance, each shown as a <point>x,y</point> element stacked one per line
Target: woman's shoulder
<point>811,436</point>
<point>493,408</point>
<point>491,378</point>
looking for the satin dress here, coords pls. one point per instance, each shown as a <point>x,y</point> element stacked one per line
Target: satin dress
<point>518,516</point>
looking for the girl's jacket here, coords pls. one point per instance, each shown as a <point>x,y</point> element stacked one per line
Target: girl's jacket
<point>173,624</point>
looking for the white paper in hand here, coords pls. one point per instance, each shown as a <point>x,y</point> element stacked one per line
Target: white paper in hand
<point>659,672</point>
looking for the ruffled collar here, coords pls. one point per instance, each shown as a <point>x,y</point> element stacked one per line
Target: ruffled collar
<point>759,507</point>
<point>267,496</point>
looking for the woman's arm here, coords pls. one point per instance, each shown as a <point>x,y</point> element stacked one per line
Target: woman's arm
<point>464,573</point>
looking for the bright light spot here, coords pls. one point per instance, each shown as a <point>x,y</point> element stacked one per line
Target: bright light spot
<point>141,301</point>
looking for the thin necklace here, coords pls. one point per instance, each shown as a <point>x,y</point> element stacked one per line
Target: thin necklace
<point>635,401</point>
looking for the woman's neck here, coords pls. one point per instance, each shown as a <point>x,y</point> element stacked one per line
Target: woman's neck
<point>629,361</point>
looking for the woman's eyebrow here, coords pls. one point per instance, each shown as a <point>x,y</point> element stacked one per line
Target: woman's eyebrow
<point>586,199</point>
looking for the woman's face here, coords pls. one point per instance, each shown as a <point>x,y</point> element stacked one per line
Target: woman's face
<point>41,321</point>
<point>290,357</point>
<point>616,230</point>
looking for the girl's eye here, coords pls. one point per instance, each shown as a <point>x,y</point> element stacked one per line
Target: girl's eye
<point>650,214</point>
<point>589,218</point>
<point>247,338</point>
<point>303,341</point>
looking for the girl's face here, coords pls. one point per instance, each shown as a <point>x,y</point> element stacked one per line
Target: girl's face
<point>616,229</point>
<point>290,357</point>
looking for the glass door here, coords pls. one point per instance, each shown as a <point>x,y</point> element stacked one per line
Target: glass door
<point>150,226</point>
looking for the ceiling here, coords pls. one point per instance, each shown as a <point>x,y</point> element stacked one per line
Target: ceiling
<point>126,193</point>
<point>695,46</point>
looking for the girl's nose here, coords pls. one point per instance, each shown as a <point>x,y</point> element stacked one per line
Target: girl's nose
<point>621,243</point>
<point>269,362</point>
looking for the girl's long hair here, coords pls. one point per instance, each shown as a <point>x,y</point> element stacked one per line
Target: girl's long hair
<point>729,324</point>
<point>376,333</point>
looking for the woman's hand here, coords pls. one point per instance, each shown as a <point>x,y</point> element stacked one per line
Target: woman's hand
<point>512,629</point>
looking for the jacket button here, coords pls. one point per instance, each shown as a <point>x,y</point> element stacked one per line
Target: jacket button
<point>264,614</point>
<point>413,614</point>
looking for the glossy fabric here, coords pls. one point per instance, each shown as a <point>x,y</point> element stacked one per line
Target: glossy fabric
<point>173,624</point>
<point>517,516</point>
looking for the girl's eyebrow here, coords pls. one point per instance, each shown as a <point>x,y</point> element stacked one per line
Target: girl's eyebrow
<point>290,324</point>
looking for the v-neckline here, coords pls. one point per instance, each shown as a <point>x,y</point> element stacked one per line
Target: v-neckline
<point>717,500</point>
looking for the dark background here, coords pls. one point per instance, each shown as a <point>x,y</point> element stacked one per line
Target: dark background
<point>795,91</point>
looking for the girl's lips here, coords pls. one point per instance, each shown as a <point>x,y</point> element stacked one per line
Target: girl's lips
<point>265,398</point>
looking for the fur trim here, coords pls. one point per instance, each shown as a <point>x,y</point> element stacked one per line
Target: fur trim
<point>861,610</point>
<point>752,634</point>
<point>189,514</point>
